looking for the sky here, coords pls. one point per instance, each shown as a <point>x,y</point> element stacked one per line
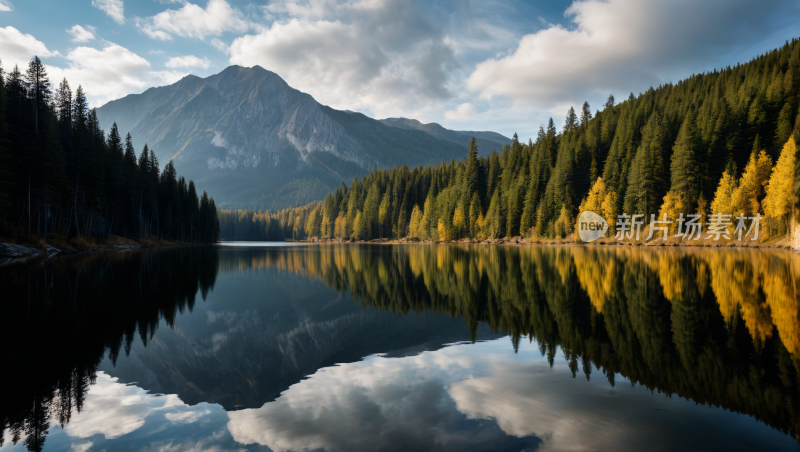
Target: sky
<point>500,65</point>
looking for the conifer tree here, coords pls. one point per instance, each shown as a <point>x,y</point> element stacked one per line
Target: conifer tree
<point>685,178</point>
<point>5,156</point>
<point>572,120</point>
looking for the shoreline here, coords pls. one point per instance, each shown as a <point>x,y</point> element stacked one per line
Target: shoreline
<point>12,253</point>
<point>781,242</point>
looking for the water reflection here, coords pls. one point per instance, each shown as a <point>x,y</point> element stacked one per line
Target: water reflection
<point>718,327</point>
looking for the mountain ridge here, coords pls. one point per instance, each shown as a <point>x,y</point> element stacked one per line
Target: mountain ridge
<point>254,141</point>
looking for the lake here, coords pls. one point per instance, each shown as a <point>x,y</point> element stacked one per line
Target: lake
<point>293,347</point>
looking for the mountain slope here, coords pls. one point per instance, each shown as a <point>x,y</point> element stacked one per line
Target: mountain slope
<point>486,141</point>
<point>248,138</point>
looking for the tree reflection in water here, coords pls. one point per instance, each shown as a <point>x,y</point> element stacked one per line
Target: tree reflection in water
<point>719,327</point>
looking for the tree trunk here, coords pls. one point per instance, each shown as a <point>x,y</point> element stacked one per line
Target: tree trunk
<point>46,212</point>
<point>77,180</point>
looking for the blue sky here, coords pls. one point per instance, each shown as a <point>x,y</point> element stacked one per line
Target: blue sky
<point>469,65</point>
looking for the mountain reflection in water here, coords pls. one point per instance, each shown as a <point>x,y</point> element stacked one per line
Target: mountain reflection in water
<point>304,347</point>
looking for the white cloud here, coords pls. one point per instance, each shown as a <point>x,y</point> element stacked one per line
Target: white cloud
<point>618,46</point>
<point>382,56</point>
<point>221,46</point>
<point>186,417</point>
<point>83,447</point>
<point>110,73</point>
<point>192,21</point>
<point>188,61</point>
<point>6,5</point>
<point>461,112</point>
<point>81,34</point>
<point>419,402</point>
<point>18,48</point>
<point>113,409</point>
<point>113,8</point>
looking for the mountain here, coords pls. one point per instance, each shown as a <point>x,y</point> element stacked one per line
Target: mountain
<point>252,141</point>
<point>486,141</point>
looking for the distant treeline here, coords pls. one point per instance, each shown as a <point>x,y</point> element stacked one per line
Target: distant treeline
<point>678,148</point>
<point>264,225</point>
<point>59,173</point>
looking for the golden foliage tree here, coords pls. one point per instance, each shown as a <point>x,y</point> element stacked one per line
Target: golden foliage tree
<point>747,196</point>
<point>780,190</point>
<point>415,225</point>
<point>599,201</point>
<point>562,224</point>
<point>673,206</point>
<point>722,197</point>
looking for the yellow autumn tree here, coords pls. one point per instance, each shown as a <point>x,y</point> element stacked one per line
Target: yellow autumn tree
<point>479,225</point>
<point>609,208</point>
<point>414,226</point>
<point>724,194</point>
<point>780,190</point>
<point>593,201</point>
<point>747,196</point>
<point>702,207</point>
<point>444,232</point>
<point>340,227</point>
<point>459,220</point>
<point>562,224</point>
<point>599,201</point>
<point>673,206</point>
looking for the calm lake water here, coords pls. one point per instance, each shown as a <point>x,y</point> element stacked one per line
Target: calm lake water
<point>417,347</point>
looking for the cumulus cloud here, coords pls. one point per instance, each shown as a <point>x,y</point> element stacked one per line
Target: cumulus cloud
<point>421,402</point>
<point>113,8</point>
<point>18,48</point>
<point>623,45</point>
<point>113,409</point>
<point>462,111</point>
<point>81,34</point>
<point>111,72</point>
<point>6,5</point>
<point>380,56</point>
<point>192,21</point>
<point>395,402</point>
<point>188,61</point>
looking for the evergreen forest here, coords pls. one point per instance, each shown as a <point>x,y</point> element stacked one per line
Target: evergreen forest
<point>61,175</point>
<point>718,143</point>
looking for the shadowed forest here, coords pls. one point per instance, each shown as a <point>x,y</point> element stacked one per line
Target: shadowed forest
<point>60,173</point>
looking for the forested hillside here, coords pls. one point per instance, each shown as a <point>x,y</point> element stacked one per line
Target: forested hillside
<point>715,143</point>
<point>60,174</point>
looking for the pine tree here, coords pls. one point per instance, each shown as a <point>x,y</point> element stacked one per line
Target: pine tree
<point>685,177</point>
<point>472,168</point>
<point>5,156</point>
<point>647,179</point>
<point>572,120</point>
<point>586,114</point>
